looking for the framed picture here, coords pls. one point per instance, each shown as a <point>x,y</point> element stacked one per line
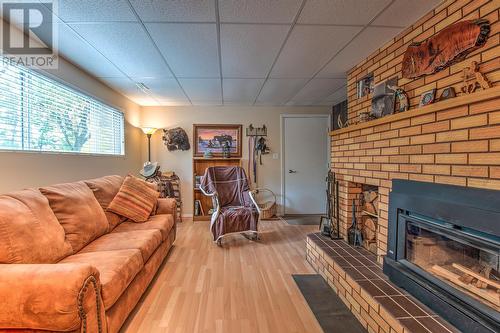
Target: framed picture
<point>365,85</point>
<point>213,137</point>
<point>339,115</point>
<point>383,100</point>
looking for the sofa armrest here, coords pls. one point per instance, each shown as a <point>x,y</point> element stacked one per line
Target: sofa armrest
<point>53,297</point>
<point>167,206</point>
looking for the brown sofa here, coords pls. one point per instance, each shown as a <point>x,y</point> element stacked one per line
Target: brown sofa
<point>68,265</point>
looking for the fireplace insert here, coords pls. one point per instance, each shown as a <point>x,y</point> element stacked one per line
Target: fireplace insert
<point>444,249</point>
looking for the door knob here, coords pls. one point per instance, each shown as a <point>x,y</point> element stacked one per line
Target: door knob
<point>292,171</point>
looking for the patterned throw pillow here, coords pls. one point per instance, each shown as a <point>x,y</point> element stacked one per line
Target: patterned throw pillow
<point>135,200</point>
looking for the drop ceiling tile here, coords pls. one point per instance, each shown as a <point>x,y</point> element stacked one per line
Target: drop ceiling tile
<point>361,47</point>
<point>164,89</point>
<point>76,50</point>
<point>337,97</point>
<point>309,48</point>
<point>352,12</point>
<point>248,51</point>
<point>128,88</point>
<point>95,11</point>
<point>317,90</point>
<point>175,10</point>
<point>279,91</point>
<point>127,46</point>
<point>403,13</point>
<point>241,91</point>
<point>203,90</point>
<point>190,49</point>
<point>258,11</point>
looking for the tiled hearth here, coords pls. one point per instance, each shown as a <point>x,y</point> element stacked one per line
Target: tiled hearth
<point>357,278</point>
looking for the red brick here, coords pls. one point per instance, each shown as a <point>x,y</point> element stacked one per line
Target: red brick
<point>451,159</point>
<point>436,148</point>
<point>485,158</point>
<point>424,138</point>
<point>469,146</point>
<point>459,135</point>
<point>469,171</point>
<point>470,121</point>
<point>436,169</point>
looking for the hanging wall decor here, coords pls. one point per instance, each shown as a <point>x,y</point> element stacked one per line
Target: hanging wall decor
<point>176,139</point>
<point>212,138</point>
<point>447,47</point>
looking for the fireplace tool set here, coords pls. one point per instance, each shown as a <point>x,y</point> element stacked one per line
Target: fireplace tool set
<point>329,224</point>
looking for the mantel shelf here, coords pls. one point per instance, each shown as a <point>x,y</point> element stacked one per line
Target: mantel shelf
<point>479,96</point>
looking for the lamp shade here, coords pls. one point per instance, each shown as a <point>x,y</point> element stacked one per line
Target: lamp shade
<point>149,130</point>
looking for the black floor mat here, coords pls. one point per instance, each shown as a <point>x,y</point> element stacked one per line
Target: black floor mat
<point>302,219</point>
<point>331,313</point>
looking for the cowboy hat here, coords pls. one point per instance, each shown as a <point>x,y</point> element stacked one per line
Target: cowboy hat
<point>149,169</point>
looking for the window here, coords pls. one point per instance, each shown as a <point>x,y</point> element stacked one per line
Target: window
<point>40,114</point>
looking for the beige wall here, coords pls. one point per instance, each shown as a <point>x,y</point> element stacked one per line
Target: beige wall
<point>22,169</point>
<point>269,174</point>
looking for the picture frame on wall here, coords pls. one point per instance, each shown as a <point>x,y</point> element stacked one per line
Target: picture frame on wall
<point>212,137</point>
<point>365,85</point>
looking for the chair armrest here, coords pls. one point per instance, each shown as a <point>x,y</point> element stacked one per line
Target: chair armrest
<point>52,297</point>
<point>167,206</point>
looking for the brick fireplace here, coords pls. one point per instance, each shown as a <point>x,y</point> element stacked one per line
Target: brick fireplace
<point>452,142</point>
<point>455,142</point>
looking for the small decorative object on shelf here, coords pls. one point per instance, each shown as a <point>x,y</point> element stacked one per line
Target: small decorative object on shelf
<point>427,97</point>
<point>447,94</point>
<point>474,79</point>
<point>384,98</point>
<point>402,102</point>
<point>176,139</point>
<point>364,117</point>
<point>447,47</point>
<point>365,85</point>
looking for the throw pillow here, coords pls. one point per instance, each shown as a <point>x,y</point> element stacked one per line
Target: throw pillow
<point>135,199</point>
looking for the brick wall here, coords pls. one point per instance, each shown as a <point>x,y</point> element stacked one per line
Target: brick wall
<point>385,63</point>
<point>452,142</point>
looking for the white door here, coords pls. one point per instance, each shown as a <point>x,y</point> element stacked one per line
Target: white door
<point>305,156</point>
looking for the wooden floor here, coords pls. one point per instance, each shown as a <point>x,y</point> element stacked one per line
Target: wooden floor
<point>243,287</point>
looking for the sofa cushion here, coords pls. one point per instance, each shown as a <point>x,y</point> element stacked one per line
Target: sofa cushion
<point>144,240</point>
<point>105,189</point>
<point>78,211</point>
<point>29,230</point>
<point>161,222</point>
<point>135,200</point>
<point>116,270</point>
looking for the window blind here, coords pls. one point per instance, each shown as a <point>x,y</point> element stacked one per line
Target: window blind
<point>38,113</point>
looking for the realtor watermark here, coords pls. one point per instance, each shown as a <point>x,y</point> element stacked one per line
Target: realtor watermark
<point>29,33</point>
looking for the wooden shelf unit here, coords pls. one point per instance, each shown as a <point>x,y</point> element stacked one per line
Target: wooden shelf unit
<point>200,164</point>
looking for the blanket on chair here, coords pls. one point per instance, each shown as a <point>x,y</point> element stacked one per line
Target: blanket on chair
<point>236,211</point>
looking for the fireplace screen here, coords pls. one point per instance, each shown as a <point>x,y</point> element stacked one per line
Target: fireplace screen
<point>459,260</point>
